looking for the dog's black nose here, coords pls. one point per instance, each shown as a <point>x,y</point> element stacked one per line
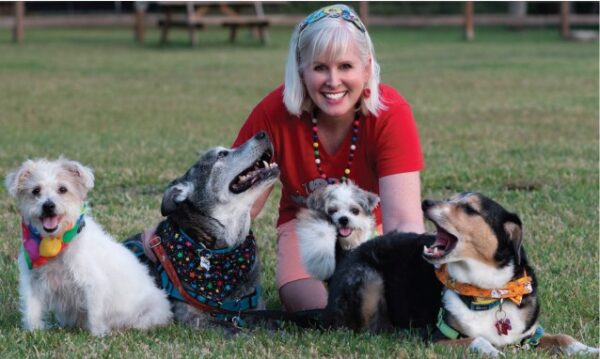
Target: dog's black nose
<point>427,204</point>
<point>48,208</point>
<point>261,135</point>
<point>343,221</point>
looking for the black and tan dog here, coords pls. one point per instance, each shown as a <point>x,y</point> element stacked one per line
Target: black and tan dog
<point>488,290</point>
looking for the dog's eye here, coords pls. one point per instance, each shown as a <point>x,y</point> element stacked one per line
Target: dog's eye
<point>36,191</point>
<point>355,211</point>
<point>222,154</point>
<point>470,210</point>
<point>62,190</point>
<point>331,211</point>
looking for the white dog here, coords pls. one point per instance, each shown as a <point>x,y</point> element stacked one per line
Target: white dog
<point>338,218</point>
<point>68,265</point>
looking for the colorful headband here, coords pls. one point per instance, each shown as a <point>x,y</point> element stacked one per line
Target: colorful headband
<point>333,11</point>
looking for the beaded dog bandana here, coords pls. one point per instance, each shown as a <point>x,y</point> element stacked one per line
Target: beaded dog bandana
<point>210,273</point>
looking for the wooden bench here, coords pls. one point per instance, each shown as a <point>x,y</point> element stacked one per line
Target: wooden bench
<point>195,19</point>
<point>260,24</point>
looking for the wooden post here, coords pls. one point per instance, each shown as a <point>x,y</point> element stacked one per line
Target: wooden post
<point>19,27</point>
<point>469,25</point>
<point>139,25</point>
<point>363,12</point>
<point>565,26</point>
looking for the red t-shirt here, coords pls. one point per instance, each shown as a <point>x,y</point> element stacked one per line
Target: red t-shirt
<point>387,144</point>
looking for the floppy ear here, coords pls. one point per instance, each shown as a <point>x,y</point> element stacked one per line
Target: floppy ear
<point>84,176</point>
<point>515,235</point>
<point>316,200</point>
<point>174,195</point>
<point>371,201</point>
<point>14,180</point>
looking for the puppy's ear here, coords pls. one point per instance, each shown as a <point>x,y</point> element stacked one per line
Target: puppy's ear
<point>372,201</point>
<point>83,176</point>
<point>316,200</point>
<point>368,200</point>
<point>174,195</point>
<point>15,179</point>
<point>514,231</point>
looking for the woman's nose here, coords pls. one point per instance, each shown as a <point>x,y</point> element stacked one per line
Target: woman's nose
<point>333,79</point>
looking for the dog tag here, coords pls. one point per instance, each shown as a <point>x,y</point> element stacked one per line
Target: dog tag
<point>205,263</point>
<point>503,326</point>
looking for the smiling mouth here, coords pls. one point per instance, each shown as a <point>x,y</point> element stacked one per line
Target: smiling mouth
<point>443,245</point>
<point>262,169</point>
<point>344,232</point>
<point>334,96</point>
<point>50,223</point>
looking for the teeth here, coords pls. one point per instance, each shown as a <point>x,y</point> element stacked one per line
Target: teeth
<point>334,96</point>
<point>435,251</point>
<point>265,164</point>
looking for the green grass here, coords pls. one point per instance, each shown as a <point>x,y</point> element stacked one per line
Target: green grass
<point>513,115</point>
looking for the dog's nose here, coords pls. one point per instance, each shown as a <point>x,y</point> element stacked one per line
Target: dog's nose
<point>343,221</point>
<point>261,135</point>
<point>48,207</point>
<point>427,204</point>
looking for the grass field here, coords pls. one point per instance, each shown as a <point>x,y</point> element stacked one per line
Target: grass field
<point>513,115</point>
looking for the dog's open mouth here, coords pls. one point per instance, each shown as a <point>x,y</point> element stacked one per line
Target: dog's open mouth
<point>261,169</point>
<point>443,245</point>
<point>50,223</point>
<point>344,232</point>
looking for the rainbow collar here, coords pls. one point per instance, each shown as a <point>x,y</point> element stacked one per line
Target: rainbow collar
<point>40,250</point>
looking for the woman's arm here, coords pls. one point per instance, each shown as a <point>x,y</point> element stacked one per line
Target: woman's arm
<point>260,203</point>
<point>401,202</point>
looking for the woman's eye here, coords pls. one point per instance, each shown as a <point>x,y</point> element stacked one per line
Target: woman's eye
<point>346,66</point>
<point>320,68</point>
<point>355,211</point>
<point>62,190</point>
<point>222,154</point>
<point>36,191</point>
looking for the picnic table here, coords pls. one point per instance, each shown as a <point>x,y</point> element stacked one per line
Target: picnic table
<point>193,16</point>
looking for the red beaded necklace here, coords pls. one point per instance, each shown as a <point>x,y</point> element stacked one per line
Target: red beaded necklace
<point>315,138</point>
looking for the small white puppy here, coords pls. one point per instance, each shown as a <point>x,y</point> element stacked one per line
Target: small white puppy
<point>338,218</point>
<point>68,265</point>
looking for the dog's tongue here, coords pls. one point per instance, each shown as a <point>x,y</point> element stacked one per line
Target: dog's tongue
<point>50,222</point>
<point>345,232</point>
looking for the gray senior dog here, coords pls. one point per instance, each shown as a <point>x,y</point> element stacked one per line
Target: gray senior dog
<point>203,254</point>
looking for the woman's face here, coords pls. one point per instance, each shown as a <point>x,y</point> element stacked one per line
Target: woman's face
<point>335,86</point>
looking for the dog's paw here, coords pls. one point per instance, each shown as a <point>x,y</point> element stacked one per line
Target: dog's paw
<point>99,330</point>
<point>483,346</point>
<point>30,326</point>
<point>578,348</point>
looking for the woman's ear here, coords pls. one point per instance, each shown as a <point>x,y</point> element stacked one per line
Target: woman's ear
<point>367,71</point>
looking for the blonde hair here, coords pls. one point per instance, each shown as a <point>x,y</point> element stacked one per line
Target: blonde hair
<point>329,36</point>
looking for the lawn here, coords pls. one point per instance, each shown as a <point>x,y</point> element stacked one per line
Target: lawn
<point>513,115</point>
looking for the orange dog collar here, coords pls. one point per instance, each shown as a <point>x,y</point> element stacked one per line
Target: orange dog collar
<point>514,290</point>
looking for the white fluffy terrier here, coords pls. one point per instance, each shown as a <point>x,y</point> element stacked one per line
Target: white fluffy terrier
<point>338,218</point>
<point>68,265</point>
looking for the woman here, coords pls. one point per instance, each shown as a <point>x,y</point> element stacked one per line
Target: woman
<point>332,121</point>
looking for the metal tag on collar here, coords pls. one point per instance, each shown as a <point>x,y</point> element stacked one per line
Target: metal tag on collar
<point>503,325</point>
